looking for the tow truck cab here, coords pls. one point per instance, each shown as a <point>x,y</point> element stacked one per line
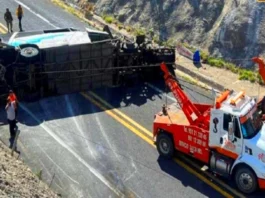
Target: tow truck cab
<point>233,144</point>
<point>237,141</point>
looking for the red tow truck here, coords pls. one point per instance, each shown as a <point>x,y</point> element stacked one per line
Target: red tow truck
<point>228,136</point>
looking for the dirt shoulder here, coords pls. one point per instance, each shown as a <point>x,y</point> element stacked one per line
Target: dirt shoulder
<point>220,77</point>
<point>17,180</point>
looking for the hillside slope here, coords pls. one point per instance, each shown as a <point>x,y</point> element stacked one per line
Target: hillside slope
<point>233,29</point>
<point>16,179</point>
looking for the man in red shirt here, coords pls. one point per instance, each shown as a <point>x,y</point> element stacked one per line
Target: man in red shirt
<point>13,98</point>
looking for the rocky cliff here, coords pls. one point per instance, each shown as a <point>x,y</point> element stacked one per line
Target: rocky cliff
<point>232,29</point>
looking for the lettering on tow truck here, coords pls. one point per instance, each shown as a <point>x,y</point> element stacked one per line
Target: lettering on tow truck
<point>183,144</point>
<point>248,150</point>
<point>196,137</point>
<point>193,149</point>
<point>229,145</point>
<point>261,157</point>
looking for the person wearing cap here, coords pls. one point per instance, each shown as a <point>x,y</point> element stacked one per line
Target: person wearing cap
<point>11,118</point>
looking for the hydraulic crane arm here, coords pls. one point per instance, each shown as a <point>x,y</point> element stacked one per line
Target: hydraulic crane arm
<point>261,64</point>
<point>192,113</point>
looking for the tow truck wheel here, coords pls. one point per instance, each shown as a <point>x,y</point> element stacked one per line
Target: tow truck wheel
<point>165,145</point>
<point>246,180</point>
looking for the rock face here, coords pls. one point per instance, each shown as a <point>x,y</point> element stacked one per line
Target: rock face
<point>233,29</point>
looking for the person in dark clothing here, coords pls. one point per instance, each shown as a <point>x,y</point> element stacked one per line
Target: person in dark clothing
<point>19,13</point>
<point>9,20</point>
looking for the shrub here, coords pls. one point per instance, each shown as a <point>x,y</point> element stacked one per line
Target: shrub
<point>247,75</point>
<point>204,56</point>
<point>217,62</point>
<point>232,67</point>
<point>139,32</point>
<point>259,79</point>
<point>108,19</point>
<point>156,38</point>
<point>252,79</point>
<point>128,29</point>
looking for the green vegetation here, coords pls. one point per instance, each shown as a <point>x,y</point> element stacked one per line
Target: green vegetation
<point>139,31</point>
<point>217,62</point>
<point>204,56</point>
<point>120,26</point>
<point>128,29</point>
<point>156,38</point>
<point>169,43</point>
<point>39,174</point>
<point>109,19</point>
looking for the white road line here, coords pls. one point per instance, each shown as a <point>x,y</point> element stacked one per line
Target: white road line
<point>160,91</point>
<point>12,37</point>
<point>71,111</point>
<point>35,13</point>
<point>61,142</point>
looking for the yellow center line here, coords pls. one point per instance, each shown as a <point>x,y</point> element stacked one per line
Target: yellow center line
<point>3,28</point>
<point>124,123</point>
<point>149,141</point>
<point>150,134</point>
<point>2,31</point>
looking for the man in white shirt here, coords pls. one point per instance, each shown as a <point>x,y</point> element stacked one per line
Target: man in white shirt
<point>11,117</point>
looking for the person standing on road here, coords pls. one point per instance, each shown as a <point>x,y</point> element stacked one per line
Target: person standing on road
<point>10,110</point>
<point>9,20</point>
<point>19,13</point>
<point>13,98</point>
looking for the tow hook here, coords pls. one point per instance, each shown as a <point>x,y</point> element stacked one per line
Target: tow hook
<point>164,109</point>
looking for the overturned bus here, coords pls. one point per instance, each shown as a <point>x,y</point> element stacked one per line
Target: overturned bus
<point>61,61</point>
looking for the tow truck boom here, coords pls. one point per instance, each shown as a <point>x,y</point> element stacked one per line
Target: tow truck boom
<point>191,111</point>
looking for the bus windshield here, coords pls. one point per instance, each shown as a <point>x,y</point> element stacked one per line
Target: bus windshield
<point>252,125</point>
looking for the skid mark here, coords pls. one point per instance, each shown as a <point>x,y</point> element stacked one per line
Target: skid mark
<point>46,154</point>
<point>70,109</point>
<point>79,158</point>
<point>126,178</point>
<point>104,134</point>
<point>48,182</point>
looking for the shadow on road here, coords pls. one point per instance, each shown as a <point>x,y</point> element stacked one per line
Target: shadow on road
<point>173,169</point>
<point>64,106</point>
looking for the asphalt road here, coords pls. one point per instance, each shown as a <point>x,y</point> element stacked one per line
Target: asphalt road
<point>90,150</point>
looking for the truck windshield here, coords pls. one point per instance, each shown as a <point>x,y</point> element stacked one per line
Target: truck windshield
<point>252,125</point>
